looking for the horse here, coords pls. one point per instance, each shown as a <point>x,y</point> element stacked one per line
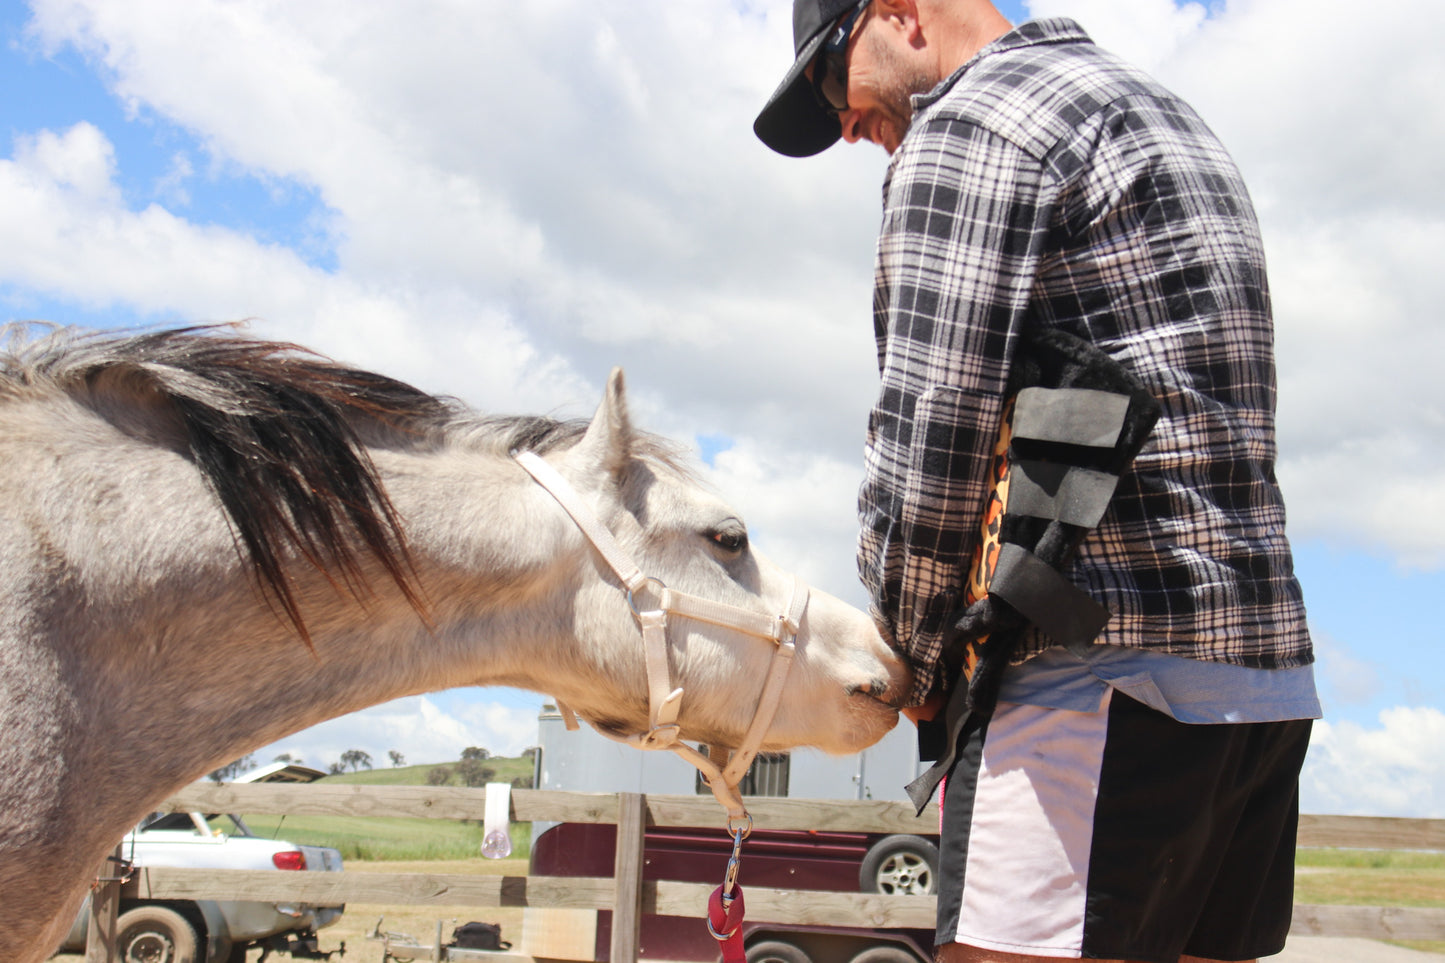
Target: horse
<point>210,541</point>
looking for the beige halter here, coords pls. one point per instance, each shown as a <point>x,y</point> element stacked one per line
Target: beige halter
<point>721,774</point>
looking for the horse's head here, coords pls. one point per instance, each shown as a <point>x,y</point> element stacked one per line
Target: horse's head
<point>841,692</point>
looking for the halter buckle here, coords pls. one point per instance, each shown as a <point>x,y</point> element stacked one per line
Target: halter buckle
<point>661,737</point>
<point>632,594</point>
<point>785,629</point>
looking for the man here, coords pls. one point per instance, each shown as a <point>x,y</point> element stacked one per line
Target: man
<point>1074,328</point>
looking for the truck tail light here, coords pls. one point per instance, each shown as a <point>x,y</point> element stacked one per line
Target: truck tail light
<point>291,859</point>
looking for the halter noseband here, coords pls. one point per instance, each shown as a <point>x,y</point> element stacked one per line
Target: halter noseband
<point>666,701</point>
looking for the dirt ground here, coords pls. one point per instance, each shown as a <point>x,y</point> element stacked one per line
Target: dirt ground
<point>360,919</point>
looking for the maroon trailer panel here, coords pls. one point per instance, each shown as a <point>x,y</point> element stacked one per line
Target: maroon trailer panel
<point>828,861</point>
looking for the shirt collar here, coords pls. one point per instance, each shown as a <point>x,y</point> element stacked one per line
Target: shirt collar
<point>1033,33</point>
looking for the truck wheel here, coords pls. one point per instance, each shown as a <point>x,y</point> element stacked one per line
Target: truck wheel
<point>154,934</point>
<point>885,954</point>
<point>901,865</point>
<point>776,951</point>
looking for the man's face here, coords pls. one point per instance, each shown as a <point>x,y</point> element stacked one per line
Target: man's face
<point>882,78</point>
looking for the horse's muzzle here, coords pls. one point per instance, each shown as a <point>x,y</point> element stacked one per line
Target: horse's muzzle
<point>890,693</point>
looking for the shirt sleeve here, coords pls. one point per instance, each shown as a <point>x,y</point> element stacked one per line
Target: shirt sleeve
<point>965,216</point>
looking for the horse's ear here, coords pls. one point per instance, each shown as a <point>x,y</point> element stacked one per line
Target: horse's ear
<point>607,445</point>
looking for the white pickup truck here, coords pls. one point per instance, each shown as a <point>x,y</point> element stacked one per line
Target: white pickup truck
<point>217,931</point>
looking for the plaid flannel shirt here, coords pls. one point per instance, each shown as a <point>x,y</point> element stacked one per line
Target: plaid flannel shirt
<point>1048,183</point>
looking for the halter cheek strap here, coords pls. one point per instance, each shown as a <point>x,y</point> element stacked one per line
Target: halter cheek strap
<point>651,602</point>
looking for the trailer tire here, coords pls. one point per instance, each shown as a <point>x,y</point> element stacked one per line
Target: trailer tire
<point>885,954</point>
<point>154,934</point>
<point>900,864</point>
<point>776,951</point>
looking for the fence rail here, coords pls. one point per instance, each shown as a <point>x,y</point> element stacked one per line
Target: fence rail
<point>628,896</point>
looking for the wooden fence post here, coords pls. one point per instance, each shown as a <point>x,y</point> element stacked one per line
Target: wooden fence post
<point>104,904</point>
<point>627,873</point>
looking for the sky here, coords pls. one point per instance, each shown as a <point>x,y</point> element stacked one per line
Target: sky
<point>503,207</point>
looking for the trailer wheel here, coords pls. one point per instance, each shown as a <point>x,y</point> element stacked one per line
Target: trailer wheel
<point>776,951</point>
<point>885,954</point>
<point>154,934</point>
<point>900,864</point>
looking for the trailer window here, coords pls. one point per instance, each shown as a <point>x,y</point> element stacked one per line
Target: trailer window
<point>767,776</point>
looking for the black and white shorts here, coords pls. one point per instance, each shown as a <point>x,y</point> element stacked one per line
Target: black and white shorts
<point>1120,834</point>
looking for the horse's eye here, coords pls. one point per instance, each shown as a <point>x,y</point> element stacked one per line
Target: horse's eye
<point>731,540</point>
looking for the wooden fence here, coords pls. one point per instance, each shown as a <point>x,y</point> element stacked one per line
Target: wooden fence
<point>628,896</point>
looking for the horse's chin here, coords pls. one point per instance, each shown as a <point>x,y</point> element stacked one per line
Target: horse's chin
<point>871,718</point>
<point>852,726</point>
<point>863,721</point>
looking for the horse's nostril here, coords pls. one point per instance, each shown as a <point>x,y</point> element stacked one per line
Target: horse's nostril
<point>877,689</point>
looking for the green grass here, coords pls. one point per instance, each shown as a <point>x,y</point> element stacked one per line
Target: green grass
<point>393,838</point>
<point>388,838</point>
<point>506,770</point>
<point>1403,859</point>
<point>1367,877</point>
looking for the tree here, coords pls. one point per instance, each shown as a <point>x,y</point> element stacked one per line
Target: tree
<point>335,769</point>
<point>397,759</point>
<point>355,759</point>
<point>475,753</point>
<point>231,770</point>
<point>473,773</point>
<point>286,757</point>
<point>439,776</point>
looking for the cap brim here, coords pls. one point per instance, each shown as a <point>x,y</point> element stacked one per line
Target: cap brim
<point>791,122</point>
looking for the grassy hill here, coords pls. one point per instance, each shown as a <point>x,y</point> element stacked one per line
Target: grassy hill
<point>507,769</point>
<point>385,838</point>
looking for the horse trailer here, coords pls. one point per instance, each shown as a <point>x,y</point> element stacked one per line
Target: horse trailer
<point>584,761</point>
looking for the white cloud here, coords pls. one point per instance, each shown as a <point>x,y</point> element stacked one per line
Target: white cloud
<point>1144,32</point>
<point>417,727</point>
<point>79,163</point>
<point>68,233</point>
<point>801,508</point>
<point>1343,679</point>
<point>541,197</point>
<point>570,167</point>
<point>1397,769</point>
<point>1335,131</point>
<point>171,186</point>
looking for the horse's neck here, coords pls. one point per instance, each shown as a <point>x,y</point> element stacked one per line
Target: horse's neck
<point>136,652</point>
<point>148,616</point>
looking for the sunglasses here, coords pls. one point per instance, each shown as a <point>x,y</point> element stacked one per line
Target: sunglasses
<point>830,68</point>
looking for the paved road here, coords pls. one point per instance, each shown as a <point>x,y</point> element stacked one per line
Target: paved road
<point>1321,949</point>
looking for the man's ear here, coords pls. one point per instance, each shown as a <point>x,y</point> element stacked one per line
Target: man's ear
<point>904,16</point>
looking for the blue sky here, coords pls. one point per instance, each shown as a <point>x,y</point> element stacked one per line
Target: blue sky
<point>506,222</point>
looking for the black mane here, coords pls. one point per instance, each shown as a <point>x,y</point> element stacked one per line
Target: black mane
<point>272,427</point>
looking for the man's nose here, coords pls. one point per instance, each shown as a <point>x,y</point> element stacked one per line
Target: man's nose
<point>850,121</point>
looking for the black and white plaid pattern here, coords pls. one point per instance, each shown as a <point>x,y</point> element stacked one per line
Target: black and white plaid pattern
<point>1048,183</point>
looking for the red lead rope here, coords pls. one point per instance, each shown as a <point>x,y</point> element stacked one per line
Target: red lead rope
<point>725,906</point>
<point>725,923</point>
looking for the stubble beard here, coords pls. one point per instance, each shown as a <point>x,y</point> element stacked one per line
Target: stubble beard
<point>902,79</point>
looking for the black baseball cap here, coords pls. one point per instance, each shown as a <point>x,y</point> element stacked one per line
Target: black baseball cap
<point>792,122</point>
